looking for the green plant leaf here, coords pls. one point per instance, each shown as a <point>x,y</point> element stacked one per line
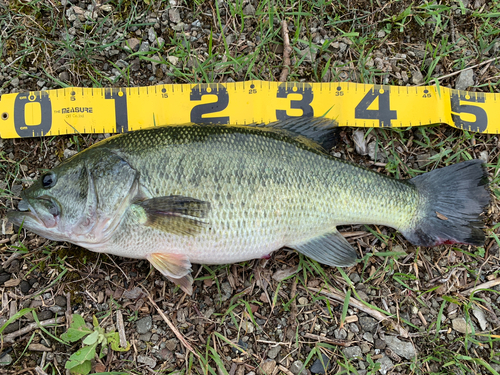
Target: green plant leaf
<point>91,339</point>
<point>114,342</point>
<point>76,330</point>
<point>87,353</point>
<point>81,369</point>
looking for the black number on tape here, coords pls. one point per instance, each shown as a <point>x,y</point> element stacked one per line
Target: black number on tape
<point>222,102</point>
<point>121,112</point>
<point>304,89</point>
<point>481,122</point>
<point>384,113</point>
<point>40,105</point>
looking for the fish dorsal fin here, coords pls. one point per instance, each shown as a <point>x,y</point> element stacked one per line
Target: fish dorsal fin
<point>331,249</point>
<point>174,214</point>
<point>312,131</point>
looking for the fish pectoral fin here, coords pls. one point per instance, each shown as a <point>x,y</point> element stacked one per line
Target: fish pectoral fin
<point>331,249</point>
<point>175,214</point>
<point>175,267</point>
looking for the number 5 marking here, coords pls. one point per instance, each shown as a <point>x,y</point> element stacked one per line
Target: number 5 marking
<point>457,109</point>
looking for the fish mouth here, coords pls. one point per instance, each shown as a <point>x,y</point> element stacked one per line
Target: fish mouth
<point>36,213</point>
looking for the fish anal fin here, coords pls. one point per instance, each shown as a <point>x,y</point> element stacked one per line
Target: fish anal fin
<point>170,265</point>
<point>175,214</point>
<point>331,249</point>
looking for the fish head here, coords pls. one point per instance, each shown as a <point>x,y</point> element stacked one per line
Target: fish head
<point>79,201</point>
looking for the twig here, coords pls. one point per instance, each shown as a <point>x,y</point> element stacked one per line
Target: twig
<point>285,370</point>
<point>287,50</point>
<point>312,336</point>
<point>460,71</point>
<point>355,303</point>
<point>121,329</point>
<point>39,371</point>
<point>172,327</point>
<point>486,285</point>
<point>30,327</point>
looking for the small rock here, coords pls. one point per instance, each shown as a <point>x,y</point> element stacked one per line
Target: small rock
<point>321,368</point>
<point>385,364</point>
<point>460,325</point>
<point>249,10</point>
<point>144,46</point>
<point>144,325</point>
<point>135,293</point>
<point>365,348</point>
<point>45,314</point>
<point>146,337</point>
<point>227,290</point>
<point>247,327</point>
<point>69,153</point>
<point>267,367</point>
<point>15,82</point>
<point>423,160</point>
<point>152,35</point>
<point>303,301</point>
<point>368,324</point>
<point>368,337</point>
<point>174,60</point>
<point>64,76</point>
<point>273,352</point>
<point>171,344</point>
<point>133,44</point>
<point>479,314</point>
<point>14,266</point>
<point>60,301</point>
<point>340,334</point>
<point>401,348</point>
<point>148,361</point>
<point>6,360</point>
<point>417,77</point>
<point>379,344</point>
<point>242,344</point>
<point>174,15</point>
<point>465,79</point>
<point>375,153</point>
<point>353,352</point>
<point>483,155</point>
<point>380,34</point>
<point>4,277</point>
<point>298,368</point>
<point>166,355</point>
<point>308,54</point>
<point>25,287</point>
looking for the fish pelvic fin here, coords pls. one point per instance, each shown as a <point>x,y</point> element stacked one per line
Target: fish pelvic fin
<point>175,267</point>
<point>452,200</point>
<point>175,214</point>
<point>331,249</point>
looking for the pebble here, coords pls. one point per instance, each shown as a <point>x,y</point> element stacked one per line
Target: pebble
<point>174,15</point>
<point>380,344</point>
<point>340,333</point>
<point>145,336</point>
<point>303,301</point>
<point>298,368</point>
<point>174,60</point>
<point>144,325</point>
<point>273,352</point>
<point>353,352</point>
<point>401,348</point>
<point>385,364</point>
<point>368,337</point>
<point>133,44</point>
<point>166,355</point>
<point>368,324</point>
<point>249,10</point>
<point>267,367</point>
<point>465,79</point>
<point>460,325</point>
<point>6,360</point>
<point>60,301</point>
<point>4,277</point>
<point>321,368</point>
<point>171,344</point>
<point>479,314</point>
<point>243,345</point>
<point>247,327</point>
<point>417,77</point>
<point>45,314</point>
<point>148,361</point>
<point>144,46</point>
<point>15,82</point>
<point>25,287</point>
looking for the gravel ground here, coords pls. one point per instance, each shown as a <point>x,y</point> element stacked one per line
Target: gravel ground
<point>259,317</point>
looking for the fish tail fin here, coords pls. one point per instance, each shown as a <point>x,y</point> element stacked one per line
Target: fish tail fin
<point>451,202</point>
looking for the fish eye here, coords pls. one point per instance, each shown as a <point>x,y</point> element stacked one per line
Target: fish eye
<point>48,180</point>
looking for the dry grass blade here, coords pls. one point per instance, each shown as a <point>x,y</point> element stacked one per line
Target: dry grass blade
<point>355,303</point>
<point>171,325</point>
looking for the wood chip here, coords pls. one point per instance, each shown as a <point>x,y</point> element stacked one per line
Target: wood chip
<point>441,216</point>
<point>12,283</point>
<point>351,319</point>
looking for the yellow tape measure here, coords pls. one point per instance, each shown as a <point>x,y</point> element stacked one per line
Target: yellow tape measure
<point>109,110</point>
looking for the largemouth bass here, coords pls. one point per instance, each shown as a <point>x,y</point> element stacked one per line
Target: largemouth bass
<point>214,194</point>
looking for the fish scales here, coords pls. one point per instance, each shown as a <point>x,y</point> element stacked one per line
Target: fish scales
<point>266,190</point>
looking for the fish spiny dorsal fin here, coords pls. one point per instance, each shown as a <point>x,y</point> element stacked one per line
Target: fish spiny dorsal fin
<point>313,131</point>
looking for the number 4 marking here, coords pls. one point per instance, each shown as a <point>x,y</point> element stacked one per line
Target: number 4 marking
<point>384,113</point>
